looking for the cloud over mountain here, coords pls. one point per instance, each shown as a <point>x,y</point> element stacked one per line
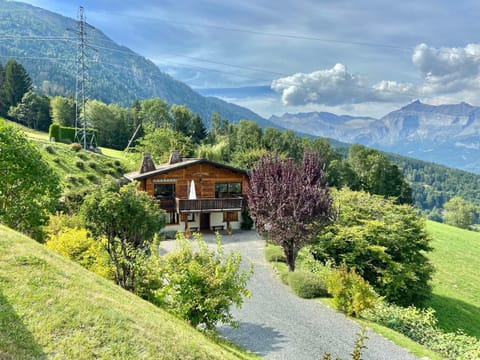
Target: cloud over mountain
<point>448,70</point>
<point>445,74</point>
<point>336,86</point>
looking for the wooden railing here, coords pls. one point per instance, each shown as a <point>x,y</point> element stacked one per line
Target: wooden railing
<point>167,203</point>
<point>207,205</point>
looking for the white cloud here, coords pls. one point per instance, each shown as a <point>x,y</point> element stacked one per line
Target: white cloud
<point>448,70</point>
<point>336,86</point>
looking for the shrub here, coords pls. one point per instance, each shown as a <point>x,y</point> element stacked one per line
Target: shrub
<point>57,160</point>
<point>49,149</point>
<point>80,164</point>
<point>275,253</point>
<point>117,163</point>
<point>79,247</point>
<point>73,198</point>
<point>201,286</point>
<point>54,132</point>
<point>351,293</point>
<point>247,221</point>
<point>92,178</point>
<point>386,244</point>
<point>420,325</point>
<point>307,285</point>
<point>76,147</point>
<point>93,165</point>
<point>71,179</point>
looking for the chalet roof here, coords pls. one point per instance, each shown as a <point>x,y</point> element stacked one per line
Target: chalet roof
<point>186,162</point>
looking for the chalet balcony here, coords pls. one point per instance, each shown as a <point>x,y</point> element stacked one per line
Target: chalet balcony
<point>209,205</point>
<point>166,203</point>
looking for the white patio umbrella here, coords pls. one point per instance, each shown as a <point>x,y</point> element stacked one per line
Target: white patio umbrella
<point>192,195</point>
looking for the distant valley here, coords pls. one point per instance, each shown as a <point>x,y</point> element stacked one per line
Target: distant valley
<point>446,134</point>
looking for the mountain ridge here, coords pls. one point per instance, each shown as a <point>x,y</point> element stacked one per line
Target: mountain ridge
<point>447,134</point>
<point>40,40</point>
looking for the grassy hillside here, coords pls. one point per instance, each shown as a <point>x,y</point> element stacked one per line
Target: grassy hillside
<point>456,285</point>
<point>80,168</point>
<point>52,308</point>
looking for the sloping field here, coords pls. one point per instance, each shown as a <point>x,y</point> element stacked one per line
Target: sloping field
<point>51,308</point>
<point>456,282</point>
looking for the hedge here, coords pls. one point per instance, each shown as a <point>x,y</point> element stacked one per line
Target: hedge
<point>66,134</point>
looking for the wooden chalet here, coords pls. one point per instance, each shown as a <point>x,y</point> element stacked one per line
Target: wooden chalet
<point>197,194</point>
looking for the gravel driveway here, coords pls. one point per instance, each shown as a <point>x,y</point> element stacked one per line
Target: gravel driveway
<point>276,324</point>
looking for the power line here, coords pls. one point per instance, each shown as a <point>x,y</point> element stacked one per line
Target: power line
<point>39,38</point>
<point>291,36</point>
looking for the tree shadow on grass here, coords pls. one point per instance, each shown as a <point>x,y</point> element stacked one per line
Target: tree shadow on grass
<point>256,338</point>
<point>454,314</point>
<point>16,341</point>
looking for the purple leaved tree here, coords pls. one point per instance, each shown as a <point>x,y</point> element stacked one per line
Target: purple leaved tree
<point>287,200</point>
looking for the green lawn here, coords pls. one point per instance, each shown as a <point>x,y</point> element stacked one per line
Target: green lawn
<point>51,308</point>
<point>31,133</point>
<point>456,282</point>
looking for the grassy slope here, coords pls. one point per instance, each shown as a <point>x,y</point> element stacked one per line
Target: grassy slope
<point>52,308</point>
<point>82,168</point>
<point>456,284</point>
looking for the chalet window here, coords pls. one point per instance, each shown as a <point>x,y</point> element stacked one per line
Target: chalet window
<point>190,217</point>
<point>225,190</point>
<point>164,191</point>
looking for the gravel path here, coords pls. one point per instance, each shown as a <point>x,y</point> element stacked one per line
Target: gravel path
<point>276,324</point>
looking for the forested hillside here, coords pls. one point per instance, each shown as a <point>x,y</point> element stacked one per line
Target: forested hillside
<point>42,42</point>
<point>434,184</point>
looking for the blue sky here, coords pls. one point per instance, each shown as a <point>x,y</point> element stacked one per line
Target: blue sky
<point>345,56</point>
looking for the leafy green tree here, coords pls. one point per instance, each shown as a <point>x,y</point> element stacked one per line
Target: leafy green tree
<point>458,212</point>
<point>155,112</point>
<point>33,111</point>
<point>128,220</point>
<point>182,119</point>
<point>201,285</point>
<point>248,158</point>
<point>161,141</point>
<point>383,241</point>
<point>218,127</point>
<point>63,111</point>
<point>285,199</point>
<point>247,136</point>
<point>114,123</point>
<point>15,84</point>
<point>377,175</point>
<point>29,188</point>
<point>283,142</point>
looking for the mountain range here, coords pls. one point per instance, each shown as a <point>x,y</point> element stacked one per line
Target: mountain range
<point>447,134</point>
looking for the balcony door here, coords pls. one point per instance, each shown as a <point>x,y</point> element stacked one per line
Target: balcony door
<point>204,221</point>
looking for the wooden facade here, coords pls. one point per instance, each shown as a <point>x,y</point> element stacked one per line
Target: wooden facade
<point>220,193</point>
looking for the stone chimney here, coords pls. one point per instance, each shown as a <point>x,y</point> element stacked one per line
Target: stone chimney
<point>175,157</point>
<point>147,164</point>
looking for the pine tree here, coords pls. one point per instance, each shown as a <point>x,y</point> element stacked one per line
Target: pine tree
<point>15,84</point>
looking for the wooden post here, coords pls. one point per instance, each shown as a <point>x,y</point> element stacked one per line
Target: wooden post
<point>188,233</point>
